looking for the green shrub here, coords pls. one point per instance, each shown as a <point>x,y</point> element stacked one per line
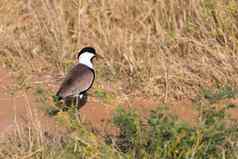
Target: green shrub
<point>129,125</point>
<point>164,136</point>
<point>216,94</point>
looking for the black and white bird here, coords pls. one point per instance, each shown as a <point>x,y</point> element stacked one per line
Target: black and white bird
<point>79,80</point>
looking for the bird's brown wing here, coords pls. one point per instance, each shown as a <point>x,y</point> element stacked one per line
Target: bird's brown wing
<point>78,80</point>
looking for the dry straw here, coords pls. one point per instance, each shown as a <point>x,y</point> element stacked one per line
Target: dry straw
<point>166,48</point>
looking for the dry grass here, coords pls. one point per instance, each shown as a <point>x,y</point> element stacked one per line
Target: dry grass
<point>165,48</point>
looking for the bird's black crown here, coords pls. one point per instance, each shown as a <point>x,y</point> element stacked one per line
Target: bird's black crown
<point>87,49</point>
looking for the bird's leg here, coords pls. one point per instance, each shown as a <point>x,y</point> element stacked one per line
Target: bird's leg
<point>77,100</point>
<point>77,114</point>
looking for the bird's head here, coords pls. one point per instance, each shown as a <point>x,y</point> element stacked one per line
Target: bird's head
<point>86,54</point>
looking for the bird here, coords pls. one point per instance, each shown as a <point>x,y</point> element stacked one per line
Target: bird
<point>73,90</point>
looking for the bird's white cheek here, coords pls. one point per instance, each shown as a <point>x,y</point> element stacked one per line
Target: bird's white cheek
<point>86,59</point>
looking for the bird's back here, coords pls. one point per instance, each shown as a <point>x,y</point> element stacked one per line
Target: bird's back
<point>78,80</point>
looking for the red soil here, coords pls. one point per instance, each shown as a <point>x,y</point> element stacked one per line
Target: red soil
<point>19,108</point>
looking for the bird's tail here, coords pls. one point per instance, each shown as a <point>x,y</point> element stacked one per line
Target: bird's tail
<point>78,101</point>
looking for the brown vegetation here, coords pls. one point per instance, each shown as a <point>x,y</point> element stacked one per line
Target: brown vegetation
<point>165,48</point>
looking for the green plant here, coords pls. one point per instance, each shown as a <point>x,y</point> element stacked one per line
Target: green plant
<point>129,124</point>
<point>164,136</point>
<point>215,94</point>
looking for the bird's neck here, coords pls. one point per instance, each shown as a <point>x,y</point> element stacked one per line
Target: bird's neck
<point>86,61</point>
